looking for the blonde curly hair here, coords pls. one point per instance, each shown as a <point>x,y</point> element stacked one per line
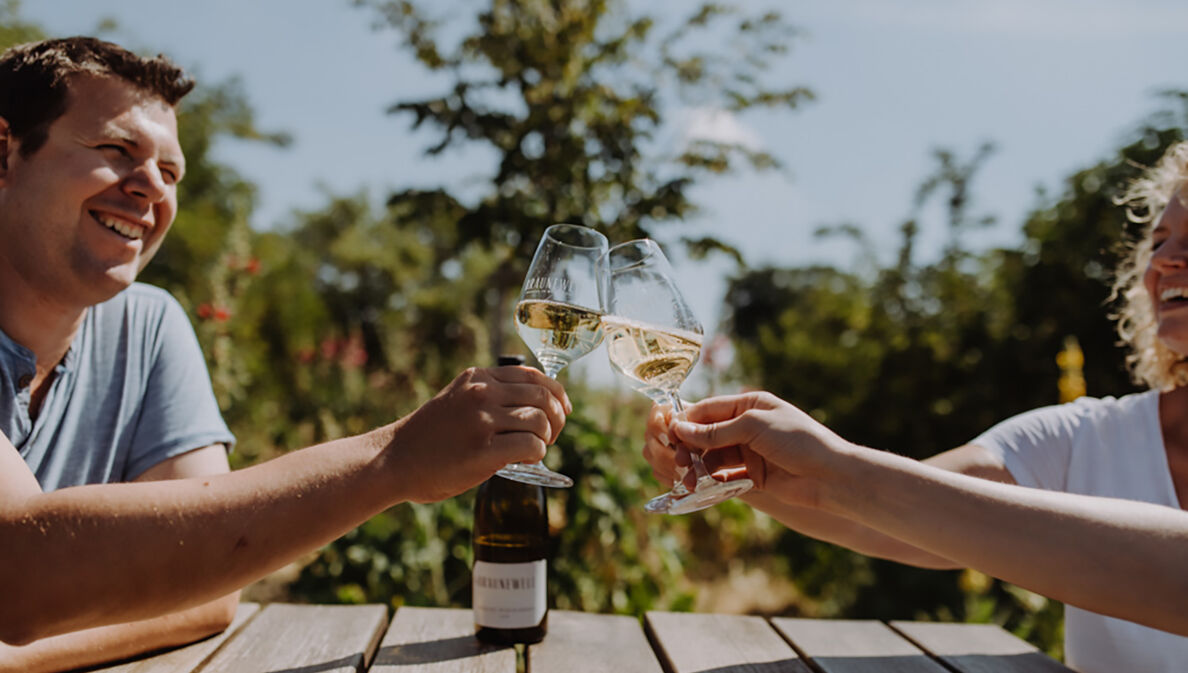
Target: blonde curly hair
<point>1150,362</point>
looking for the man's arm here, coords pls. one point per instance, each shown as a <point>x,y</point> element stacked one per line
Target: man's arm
<point>93,555</point>
<point>118,641</point>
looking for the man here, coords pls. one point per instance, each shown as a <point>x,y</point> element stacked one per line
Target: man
<point>102,381</point>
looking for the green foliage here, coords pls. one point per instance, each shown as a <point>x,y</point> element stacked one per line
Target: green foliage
<point>13,29</point>
<point>569,96</point>
<point>919,357</point>
<point>351,317</point>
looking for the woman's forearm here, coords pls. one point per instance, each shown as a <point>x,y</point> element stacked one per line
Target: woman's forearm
<point>1116,557</point>
<point>841,531</point>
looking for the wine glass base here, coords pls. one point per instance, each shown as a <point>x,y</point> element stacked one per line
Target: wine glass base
<point>660,504</point>
<point>534,473</point>
<point>709,492</point>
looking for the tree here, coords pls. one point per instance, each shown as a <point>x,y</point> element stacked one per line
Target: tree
<point>569,96</point>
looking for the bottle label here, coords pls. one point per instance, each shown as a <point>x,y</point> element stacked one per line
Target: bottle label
<point>509,595</point>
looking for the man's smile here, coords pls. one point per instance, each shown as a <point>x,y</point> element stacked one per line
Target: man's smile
<point>121,226</point>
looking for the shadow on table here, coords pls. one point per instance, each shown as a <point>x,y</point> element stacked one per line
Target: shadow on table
<point>1030,662</point>
<point>352,663</point>
<point>780,666</point>
<point>446,649</point>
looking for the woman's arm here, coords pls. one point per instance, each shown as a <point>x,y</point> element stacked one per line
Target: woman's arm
<point>1117,557</point>
<point>814,522</point>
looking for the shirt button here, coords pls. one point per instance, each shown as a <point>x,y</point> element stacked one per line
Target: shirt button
<point>25,381</point>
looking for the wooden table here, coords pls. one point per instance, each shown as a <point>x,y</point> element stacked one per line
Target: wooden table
<point>283,638</point>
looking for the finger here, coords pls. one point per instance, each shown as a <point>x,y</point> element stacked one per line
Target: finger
<point>731,456</point>
<point>521,374</point>
<point>517,447</point>
<point>660,457</point>
<point>721,408</point>
<point>526,394</point>
<point>525,419</point>
<point>731,474</point>
<point>740,430</point>
<point>657,427</point>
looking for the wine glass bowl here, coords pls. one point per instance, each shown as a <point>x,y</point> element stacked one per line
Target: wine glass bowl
<point>653,340</point>
<point>557,315</point>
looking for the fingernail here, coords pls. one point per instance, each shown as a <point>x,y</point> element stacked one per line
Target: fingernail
<point>663,439</point>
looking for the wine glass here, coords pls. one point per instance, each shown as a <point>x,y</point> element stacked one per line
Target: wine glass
<point>555,318</point>
<point>654,340</point>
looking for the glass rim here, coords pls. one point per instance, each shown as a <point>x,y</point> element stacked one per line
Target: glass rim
<point>598,240</point>
<point>653,251</point>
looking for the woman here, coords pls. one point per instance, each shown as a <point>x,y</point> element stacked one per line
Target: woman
<point>1101,525</point>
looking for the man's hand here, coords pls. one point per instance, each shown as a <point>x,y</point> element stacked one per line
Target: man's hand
<point>483,420</point>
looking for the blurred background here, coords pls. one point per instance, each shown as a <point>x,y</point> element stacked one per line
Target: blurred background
<point>897,215</point>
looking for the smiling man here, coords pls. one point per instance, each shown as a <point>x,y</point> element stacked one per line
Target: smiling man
<point>102,383</point>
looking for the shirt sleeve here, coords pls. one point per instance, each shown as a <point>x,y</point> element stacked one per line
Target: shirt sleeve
<point>178,411</point>
<point>1035,446</point>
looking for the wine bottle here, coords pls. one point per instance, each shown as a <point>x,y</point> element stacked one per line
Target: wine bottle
<point>511,539</point>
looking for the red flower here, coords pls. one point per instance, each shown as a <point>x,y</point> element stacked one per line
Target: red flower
<point>252,266</point>
<point>205,311</point>
<point>221,314</point>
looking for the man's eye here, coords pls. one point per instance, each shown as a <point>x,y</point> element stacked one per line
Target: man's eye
<point>111,146</point>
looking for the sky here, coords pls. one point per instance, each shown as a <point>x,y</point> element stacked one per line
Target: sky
<point>1056,84</point>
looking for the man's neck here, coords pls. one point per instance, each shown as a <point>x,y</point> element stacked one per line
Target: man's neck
<point>35,320</point>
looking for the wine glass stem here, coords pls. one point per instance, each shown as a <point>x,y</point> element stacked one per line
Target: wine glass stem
<point>552,367</point>
<point>678,411</point>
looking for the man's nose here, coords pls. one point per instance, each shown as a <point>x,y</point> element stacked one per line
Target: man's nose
<point>146,182</point>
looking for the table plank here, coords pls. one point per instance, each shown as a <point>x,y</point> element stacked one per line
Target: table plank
<point>436,640</point>
<point>979,648</point>
<point>580,642</point>
<point>185,659</point>
<point>855,646</point>
<point>710,643</point>
<point>303,639</point>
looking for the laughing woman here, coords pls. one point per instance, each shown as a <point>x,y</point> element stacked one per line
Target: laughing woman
<point>1083,502</point>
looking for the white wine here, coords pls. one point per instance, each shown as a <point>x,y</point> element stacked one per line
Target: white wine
<point>652,358</point>
<point>557,333</point>
<point>511,539</point>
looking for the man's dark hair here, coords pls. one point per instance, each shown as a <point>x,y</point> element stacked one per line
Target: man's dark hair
<point>34,81</point>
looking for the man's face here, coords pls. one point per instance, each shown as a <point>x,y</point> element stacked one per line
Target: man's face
<point>83,214</point>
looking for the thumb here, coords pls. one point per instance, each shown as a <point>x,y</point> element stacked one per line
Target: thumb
<point>736,431</point>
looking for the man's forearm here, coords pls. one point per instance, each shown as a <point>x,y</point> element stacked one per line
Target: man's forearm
<point>118,641</point>
<point>1069,547</point>
<point>202,537</point>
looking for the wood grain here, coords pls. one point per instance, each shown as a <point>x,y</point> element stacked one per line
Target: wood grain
<point>708,643</point>
<point>286,638</point>
<point>436,640</point>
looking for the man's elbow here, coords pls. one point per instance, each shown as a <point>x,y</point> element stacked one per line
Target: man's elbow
<point>220,613</point>
<point>17,631</point>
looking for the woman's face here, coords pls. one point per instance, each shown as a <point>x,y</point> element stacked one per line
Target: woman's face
<point>1166,277</point>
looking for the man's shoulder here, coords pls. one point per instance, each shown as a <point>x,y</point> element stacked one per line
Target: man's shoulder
<point>140,299</point>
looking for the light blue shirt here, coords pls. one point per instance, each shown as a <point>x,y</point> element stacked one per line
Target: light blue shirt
<point>132,391</point>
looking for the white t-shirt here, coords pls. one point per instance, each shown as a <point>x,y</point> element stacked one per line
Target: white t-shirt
<point>1107,447</point>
